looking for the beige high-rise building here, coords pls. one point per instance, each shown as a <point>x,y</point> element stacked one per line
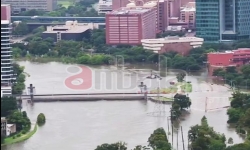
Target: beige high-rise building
<point>18,6</point>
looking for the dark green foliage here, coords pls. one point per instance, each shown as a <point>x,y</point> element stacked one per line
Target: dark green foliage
<point>242,146</point>
<point>19,86</point>
<point>158,140</point>
<point>115,146</point>
<point>8,104</point>
<point>22,122</point>
<point>20,29</point>
<point>234,78</point>
<point>203,137</point>
<point>180,102</point>
<point>41,119</point>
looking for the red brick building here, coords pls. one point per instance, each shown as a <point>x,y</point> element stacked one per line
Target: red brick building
<point>235,58</point>
<point>5,12</point>
<point>130,25</point>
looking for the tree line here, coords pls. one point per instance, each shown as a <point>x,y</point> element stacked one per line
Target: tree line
<point>78,9</point>
<point>235,78</point>
<point>94,51</point>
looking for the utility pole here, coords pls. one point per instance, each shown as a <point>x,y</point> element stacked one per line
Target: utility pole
<point>172,130</point>
<point>31,91</point>
<point>206,105</point>
<point>182,139</point>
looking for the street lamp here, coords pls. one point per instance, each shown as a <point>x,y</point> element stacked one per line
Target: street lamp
<point>143,88</point>
<point>116,59</point>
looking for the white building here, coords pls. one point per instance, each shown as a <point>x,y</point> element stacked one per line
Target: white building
<point>10,129</point>
<point>6,53</point>
<point>104,6</point>
<point>6,91</point>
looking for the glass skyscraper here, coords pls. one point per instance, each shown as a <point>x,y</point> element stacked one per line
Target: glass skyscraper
<point>223,20</point>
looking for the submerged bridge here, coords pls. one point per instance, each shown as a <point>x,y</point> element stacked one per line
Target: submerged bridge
<point>86,97</point>
<point>83,97</point>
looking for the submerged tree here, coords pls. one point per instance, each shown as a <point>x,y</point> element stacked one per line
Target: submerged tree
<point>41,119</point>
<point>158,140</point>
<point>203,137</point>
<point>114,146</point>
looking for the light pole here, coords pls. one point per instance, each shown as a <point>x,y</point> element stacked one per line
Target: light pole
<point>117,56</point>
<point>143,88</point>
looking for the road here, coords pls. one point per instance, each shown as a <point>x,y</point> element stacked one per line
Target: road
<point>207,97</point>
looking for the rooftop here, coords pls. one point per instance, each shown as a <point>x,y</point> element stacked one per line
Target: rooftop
<point>238,51</point>
<point>130,10</point>
<point>5,22</point>
<point>71,27</point>
<point>188,9</point>
<point>5,4</point>
<point>171,39</point>
<point>105,2</point>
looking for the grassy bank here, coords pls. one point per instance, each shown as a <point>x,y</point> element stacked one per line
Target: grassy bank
<point>163,98</point>
<point>66,3</point>
<point>23,137</point>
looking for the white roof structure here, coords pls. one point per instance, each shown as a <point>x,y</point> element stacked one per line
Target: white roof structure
<point>5,22</point>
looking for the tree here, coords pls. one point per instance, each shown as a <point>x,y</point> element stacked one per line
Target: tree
<point>158,140</point>
<point>242,146</point>
<point>20,29</point>
<point>203,137</point>
<point>182,100</point>
<point>239,113</point>
<point>115,146</point>
<point>19,86</point>
<point>180,77</point>
<point>41,119</point>
<point>22,122</point>
<point>8,104</point>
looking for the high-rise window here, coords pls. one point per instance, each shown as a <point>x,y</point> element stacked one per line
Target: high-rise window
<point>229,14</point>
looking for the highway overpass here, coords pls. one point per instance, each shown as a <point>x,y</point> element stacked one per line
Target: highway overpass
<point>48,19</point>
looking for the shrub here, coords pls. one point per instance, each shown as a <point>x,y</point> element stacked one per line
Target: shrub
<point>18,135</point>
<point>24,132</point>
<point>14,137</point>
<point>41,119</point>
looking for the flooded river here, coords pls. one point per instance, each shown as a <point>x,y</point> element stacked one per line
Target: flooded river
<point>84,125</point>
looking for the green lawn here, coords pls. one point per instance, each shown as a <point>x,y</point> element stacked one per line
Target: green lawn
<point>186,87</point>
<point>23,137</point>
<point>164,99</point>
<point>66,3</point>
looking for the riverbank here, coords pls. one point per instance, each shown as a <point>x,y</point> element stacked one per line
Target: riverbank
<point>23,137</point>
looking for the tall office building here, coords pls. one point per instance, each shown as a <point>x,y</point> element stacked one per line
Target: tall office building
<point>18,6</point>
<point>128,25</point>
<point>223,20</point>
<point>6,56</point>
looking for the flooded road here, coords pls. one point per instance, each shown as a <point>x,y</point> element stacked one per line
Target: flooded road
<point>84,125</point>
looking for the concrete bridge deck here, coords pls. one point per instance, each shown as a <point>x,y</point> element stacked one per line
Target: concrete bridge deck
<point>87,97</point>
